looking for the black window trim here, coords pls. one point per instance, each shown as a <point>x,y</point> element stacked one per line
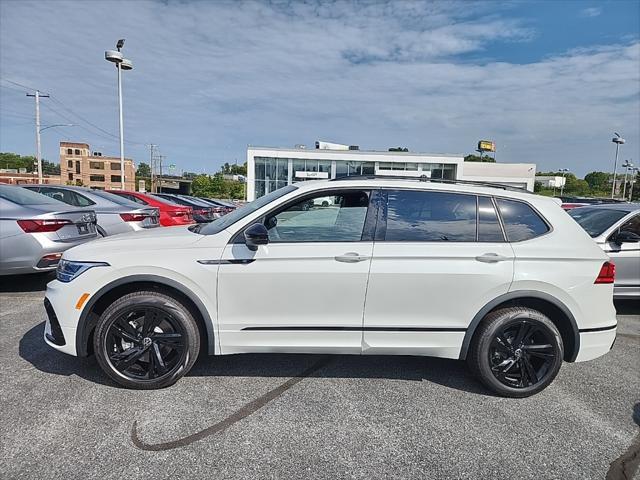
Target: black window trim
<point>368,229</point>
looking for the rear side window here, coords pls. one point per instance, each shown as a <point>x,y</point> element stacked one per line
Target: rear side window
<point>418,216</point>
<point>521,222</point>
<point>67,196</point>
<point>489,229</point>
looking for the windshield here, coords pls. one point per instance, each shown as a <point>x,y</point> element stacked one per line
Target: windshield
<point>596,220</point>
<point>22,196</point>
<point>239,213</point>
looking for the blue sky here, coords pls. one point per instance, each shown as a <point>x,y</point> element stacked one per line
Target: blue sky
<point>548,81</point>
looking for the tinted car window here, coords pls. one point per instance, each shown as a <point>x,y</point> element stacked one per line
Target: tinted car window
<point>596,220</point>
<point>633,225</point>
<point>488,224</point>
<point>22,196</point>
<point>67,196</point>
<point>248,208</point>
<point>414,216</point>
<point>324,218</point>
<point>521,222</point>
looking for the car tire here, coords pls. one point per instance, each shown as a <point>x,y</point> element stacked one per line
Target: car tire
<point>516,352</point>
<point>146,340</point>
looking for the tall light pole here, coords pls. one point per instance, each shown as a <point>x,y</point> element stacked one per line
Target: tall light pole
<point>115,56</point>
<point>37,95</point>
<point>626,165</point>
<point>563,170</point>
<point>618,140</point>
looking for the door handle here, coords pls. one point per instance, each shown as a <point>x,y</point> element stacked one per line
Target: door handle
<point>492,258</point>
<point>351,257</point>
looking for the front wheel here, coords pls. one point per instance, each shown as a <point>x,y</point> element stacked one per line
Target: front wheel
<point>516,352</point>
<point>146,340</point>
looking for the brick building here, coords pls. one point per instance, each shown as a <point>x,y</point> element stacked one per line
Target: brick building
<point>13,177</point>
<point>80,166</point>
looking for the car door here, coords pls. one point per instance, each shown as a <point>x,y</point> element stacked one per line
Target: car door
<point>626,256</point>
<point>438,258</point>
<point>304,291</point>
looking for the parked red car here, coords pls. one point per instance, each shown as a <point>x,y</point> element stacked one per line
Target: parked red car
<point>170,213</point>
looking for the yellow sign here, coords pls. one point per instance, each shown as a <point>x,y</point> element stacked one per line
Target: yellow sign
<point>486,146</point>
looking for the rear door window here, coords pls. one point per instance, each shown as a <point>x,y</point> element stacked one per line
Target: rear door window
<point>521,222</point>
<point>423,216</point>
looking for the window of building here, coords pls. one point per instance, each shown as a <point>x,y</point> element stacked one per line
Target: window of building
<point>521,222</point>
<point>96,165</point>
<point>418,216</point>
<point>489,229</point>
<point>325,217</point>
<point>115,178</point>
<point>115,166</point>
<point>70,163</point>
<point>77,166</point>
<point>96,178</point>
<point>77,152</point>
<point>271,174</point>
<point>69,151</point>
<point>347,169</point>
<point>70,176</point>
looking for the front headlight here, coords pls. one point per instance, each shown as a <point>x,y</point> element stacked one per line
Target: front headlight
<point>68,270</point>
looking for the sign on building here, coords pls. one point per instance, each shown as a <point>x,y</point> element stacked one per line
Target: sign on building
<point>142,186</point>
<point>486,146</point>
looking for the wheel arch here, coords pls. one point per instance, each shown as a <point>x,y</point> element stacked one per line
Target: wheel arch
<point>104,297</point>
<point>547,304</point>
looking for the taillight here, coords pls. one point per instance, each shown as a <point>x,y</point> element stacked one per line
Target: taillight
<point>133,217</point>
<point>607,273</point>
<point>177,213</point>
<point>42,225</point>
<point>201,211</point>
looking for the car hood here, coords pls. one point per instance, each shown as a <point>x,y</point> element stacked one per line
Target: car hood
<point>161,238</point>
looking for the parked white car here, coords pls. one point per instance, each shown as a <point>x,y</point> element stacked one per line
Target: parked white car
<point>503,279</point>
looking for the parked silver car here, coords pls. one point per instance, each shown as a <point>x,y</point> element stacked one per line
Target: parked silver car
<point>616,228</point>
<point>35,230</point>
<point>115,214</point>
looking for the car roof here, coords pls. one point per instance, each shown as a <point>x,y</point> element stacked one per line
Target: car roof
<point>418,184</point>
<point>624,207</point>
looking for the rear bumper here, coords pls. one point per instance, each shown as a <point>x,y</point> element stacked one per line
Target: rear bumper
<point>596,342</point>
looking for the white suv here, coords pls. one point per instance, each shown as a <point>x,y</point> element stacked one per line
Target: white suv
<point>503,279</point>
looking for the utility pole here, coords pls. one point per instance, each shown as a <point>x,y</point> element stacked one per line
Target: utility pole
<point>37,96</point>
<point>151,147</point>
<point>160,157</point>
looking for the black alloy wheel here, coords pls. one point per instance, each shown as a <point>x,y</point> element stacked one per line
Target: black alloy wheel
<point>146,340</point>
<point>522,354</point>
<point>516,351</point>
<point>145,343</point>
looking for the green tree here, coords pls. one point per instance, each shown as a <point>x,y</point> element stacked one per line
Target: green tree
<point>476,158</point>
<point>234,169</point>
<point>144,170</point>
<point>598,181</point>
<point>398,149</point>
<point>13,160</point>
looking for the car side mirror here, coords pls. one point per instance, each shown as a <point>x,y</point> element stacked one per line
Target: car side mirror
<point>625,236</point>
<point>256,235</point>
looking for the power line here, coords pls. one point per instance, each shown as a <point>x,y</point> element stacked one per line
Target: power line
<point>30,89</point>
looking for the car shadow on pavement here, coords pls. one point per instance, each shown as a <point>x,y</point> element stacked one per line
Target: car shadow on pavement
<point>627,307</point>
<point>35,282</point>
<point>448,373</point>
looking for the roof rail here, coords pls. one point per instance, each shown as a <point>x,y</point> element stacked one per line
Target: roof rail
<point>424,178</point>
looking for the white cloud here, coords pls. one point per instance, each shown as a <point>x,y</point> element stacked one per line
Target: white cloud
<point>211,78</point>
<point>591,12</point>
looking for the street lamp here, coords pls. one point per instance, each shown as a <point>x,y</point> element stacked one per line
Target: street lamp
<point>115,56</point>
<point>563,170</point>
<point>38,162</point>
<point>618,140</point>
<point>627,165</point>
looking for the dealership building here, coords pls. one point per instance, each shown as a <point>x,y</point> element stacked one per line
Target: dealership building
<point>271,168</point>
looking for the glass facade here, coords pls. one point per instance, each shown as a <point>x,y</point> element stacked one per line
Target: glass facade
<point>272,173</point>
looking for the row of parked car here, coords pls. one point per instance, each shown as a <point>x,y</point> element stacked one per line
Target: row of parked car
<point>39,222</point>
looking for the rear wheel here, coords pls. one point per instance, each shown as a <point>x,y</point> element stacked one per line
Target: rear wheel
<point>146,340</point>
<point>516,352</point>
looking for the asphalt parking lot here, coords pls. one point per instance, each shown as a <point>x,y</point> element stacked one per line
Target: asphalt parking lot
<point>308,416</point>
